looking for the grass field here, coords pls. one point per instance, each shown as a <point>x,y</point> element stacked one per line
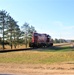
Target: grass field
<point>50,55</point>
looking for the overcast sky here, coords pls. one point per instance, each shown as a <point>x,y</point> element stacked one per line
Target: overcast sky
<point>54,17</point>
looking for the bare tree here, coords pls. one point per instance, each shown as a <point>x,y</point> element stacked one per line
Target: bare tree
<point>27,31</point>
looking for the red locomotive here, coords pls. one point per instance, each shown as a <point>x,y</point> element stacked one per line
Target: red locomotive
<point>41,40</point>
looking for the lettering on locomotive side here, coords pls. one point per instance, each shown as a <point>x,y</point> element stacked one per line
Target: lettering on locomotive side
<point>42,38</point>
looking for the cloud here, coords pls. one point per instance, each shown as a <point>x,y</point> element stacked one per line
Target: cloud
<point>68,27</point>
<point>62,31</point>
<point>57,23</point>
<point>62,26</point>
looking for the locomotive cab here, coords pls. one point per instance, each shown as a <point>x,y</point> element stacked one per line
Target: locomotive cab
<point>48,38</point>
<point>33,42</point>
<point>49,41</point>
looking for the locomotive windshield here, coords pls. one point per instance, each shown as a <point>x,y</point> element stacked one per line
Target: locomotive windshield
<point>49,36</point>
<point>35,34</point>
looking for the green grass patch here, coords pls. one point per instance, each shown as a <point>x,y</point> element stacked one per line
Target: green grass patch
<point>57,49</point>
<point>42,56</point>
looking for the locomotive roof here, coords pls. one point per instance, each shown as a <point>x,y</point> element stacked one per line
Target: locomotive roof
<point>42,34</point>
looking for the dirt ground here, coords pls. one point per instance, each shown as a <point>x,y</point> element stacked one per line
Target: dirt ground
<point>66,68</point>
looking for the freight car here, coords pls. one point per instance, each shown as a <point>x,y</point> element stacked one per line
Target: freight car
<point>41,40</point>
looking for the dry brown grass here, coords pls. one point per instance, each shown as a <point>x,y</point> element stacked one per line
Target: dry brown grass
<point>17,47</point>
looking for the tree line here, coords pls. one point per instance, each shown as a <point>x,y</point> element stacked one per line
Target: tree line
<point>11,33</point>
<point>60,40</point>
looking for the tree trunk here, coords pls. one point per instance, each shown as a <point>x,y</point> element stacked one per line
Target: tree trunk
<point>3,32</point>
<point>11,39</point>
<point>26,40</point>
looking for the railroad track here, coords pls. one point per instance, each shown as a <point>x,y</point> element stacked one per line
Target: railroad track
<point>13,50</point>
